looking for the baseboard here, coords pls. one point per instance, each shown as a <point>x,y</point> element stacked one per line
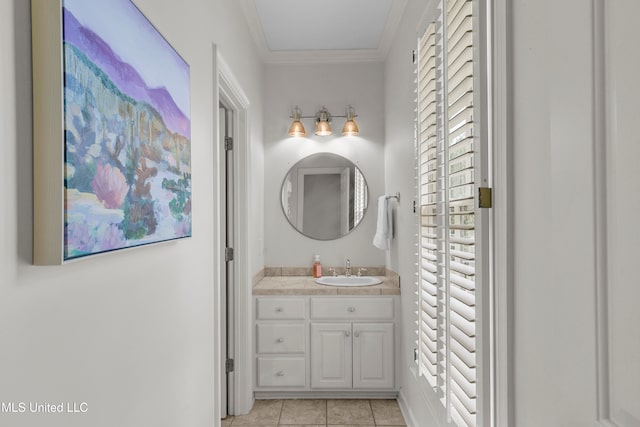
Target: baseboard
<point>407,413</point>
<point>326,395</point>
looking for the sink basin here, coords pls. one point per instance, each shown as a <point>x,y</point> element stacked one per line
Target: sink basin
<point>348,281</point>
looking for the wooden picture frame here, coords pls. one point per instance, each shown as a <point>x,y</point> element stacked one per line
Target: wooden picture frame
<point>112,142</point>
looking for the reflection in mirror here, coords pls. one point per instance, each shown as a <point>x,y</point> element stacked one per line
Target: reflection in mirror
<point>324,196</point>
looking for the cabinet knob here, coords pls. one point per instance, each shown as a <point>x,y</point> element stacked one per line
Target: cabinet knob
<point>356,334</point>
<point>347,333</point>
<point>279,309</point>
<point>280,373</point>
<point>280,339</point>
<point>351,309</point>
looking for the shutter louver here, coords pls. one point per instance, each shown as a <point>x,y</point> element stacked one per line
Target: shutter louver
<point>447,182</point>
<point>427,122</point>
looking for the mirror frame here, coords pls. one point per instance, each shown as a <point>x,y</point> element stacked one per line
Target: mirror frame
<point>328,169</point>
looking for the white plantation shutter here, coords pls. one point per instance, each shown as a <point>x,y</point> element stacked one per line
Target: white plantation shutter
<point>427,112</point>
<point>360,196</point>
<point>460,259</point>
<point>447,155</point>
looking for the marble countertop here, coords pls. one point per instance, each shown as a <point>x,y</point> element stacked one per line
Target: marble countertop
<point>306,285</point>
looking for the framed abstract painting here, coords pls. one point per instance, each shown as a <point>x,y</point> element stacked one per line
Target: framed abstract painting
<point>112,131</point>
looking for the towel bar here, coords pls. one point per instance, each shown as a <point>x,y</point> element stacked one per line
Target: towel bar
<point>396,196</point>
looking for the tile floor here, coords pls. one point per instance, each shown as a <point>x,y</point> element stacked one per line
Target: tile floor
<point>320,413</point>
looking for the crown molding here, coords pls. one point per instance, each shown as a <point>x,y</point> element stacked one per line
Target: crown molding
<point>323,56</point>
<point>269,56</point>
<point>393,22</point>
<point>255,27</point>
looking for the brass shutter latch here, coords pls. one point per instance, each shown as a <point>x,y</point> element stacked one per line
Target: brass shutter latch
<point>485,198</point>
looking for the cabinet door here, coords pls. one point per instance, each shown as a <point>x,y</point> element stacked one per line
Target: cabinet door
<point>373,350</point>
<point>331,355</point>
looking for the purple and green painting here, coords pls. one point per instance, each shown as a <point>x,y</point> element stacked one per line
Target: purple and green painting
<point>127,131</point>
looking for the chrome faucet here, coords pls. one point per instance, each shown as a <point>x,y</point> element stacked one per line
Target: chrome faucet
<point>347,270</point>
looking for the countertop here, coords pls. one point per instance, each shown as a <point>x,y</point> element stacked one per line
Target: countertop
<point>306,285</point>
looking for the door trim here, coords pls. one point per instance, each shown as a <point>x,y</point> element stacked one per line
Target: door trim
<point>230,92</point>
<point>501,92</point>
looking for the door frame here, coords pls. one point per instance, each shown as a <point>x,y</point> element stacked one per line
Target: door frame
<point>302,174</point>
<point>229,92</point>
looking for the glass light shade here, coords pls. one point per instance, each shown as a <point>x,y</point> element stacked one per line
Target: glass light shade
<point>350,128</point>
<point>297,129</point>
<point>323,128</point>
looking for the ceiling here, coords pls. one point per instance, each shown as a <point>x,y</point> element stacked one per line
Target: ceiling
<point>304,31</point>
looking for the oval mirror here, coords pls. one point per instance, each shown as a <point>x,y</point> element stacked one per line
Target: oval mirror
<point>324,196</point>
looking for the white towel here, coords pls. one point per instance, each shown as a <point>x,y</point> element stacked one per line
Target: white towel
<point>384,227</point>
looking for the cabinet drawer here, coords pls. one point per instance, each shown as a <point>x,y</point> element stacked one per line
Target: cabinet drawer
<point>281,372</point>
<point>280,308</point>
<point>352,308</point>
<point>280,338</point>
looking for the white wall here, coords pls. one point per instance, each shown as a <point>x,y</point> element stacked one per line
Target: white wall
<point>310,87</point>
<point>132,334</point>
<point>226,23</point>
<point>399,159</point>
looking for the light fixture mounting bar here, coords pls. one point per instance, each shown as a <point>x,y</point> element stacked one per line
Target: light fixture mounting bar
<point>313,117</point>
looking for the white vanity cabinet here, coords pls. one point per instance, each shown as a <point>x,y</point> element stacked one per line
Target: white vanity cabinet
<point>325,344</point>
<point>359,351</point>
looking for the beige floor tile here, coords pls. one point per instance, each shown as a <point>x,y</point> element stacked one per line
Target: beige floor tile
<point>264,413</point>
<point>346,412</point>
<point>226,422</point>
<point>304,412</point>
<point>304,425</point>
<point>387,413</point>
<point>351,425</point>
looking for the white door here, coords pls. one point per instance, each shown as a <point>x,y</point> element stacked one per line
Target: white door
<point>227,294</point>
<point>373,347</point>
<point>619,292</point>
<point>223,294</point>
<point>331,355</point>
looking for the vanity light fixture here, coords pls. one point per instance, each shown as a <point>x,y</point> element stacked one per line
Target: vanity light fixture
<point>323,120</point>
<point>296,128</point>
<point>350,127</point>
